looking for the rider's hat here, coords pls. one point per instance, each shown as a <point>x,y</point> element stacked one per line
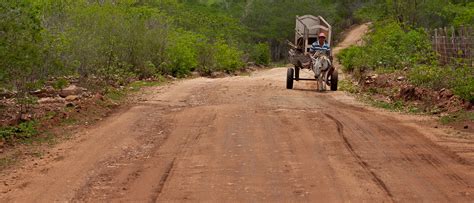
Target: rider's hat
<point>322,35</point>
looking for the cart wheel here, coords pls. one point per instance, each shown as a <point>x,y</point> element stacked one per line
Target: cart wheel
<point>334,78</point>
<point>289,78</point>
<point>297,73</point>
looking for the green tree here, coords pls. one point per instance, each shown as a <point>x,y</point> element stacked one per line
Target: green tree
<point>20,44</point>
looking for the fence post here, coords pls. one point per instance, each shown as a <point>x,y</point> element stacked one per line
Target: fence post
<point>469,45</point>
<point>435,41</point>
<point>452,51</point>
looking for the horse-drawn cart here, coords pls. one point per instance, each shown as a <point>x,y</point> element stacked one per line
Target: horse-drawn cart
<point>307,30</point>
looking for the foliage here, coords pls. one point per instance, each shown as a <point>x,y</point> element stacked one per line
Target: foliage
<point>227,58</point>
<point>60,83</point>
<point>347,86</point>
<point>428,14</point>
<point>435,77</point>
<point>389,46</point>
<point>114,94</point>
<point>120,40</point>
<point>20,30</point>
<point>117,39</point>
<point>460,14</point>
<point>182,54</point>
<point>353,58</point>
<point>211,22</point>
<point>393,106</point>
<point>123,41</point>
<point>458,116</point>
<point>370,12</point>
<point>430,76</point>
<point>22,131</point>
<point>261,54</point>
<point>137,85</point>
<point>397,41</point>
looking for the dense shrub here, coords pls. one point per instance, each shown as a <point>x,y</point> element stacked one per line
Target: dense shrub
<point>126,38</point>
<point>428,14</point>
<point>459,14</point>
<point>261,54</point>
<point>353,58</point>
<point>20,52</point>
<point>115,41</point>
<point>460,80</point>
<point>431,76</point>
<point>219,56</point>
<point>22,131</point>
<point>389,46</point>
<point>227,58</point>
<point>181,53</point>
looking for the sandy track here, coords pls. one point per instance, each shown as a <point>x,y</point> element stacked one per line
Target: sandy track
<point>250,139</point>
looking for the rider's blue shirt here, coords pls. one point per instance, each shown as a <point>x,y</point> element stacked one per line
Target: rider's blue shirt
<point>317,47</point>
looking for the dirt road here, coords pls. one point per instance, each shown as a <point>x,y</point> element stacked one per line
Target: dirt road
<point>246,139</point>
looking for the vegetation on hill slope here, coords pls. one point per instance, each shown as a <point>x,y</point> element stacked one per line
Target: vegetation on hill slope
<point>400,43</point>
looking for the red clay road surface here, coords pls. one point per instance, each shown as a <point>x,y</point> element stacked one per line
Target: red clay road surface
<point>246,139</point>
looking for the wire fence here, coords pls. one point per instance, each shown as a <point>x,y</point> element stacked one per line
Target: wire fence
<point>454,46</point>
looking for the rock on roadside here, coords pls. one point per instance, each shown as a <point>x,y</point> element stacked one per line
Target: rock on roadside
<point>71,90</point>
<point>71,98</point>
<point>51,100</point>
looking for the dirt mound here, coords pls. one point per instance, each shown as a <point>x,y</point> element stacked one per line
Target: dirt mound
<point>43,102</point>
<point>396,87</point>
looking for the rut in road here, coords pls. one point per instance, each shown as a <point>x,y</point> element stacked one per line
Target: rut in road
<point>192,139</point>
<point>163,179</point>
<point>363,164</point>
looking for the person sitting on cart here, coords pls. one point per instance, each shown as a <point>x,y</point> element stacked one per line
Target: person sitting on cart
<point>321,45</point>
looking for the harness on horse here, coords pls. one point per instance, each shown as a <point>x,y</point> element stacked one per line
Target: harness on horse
<point>321,63</point>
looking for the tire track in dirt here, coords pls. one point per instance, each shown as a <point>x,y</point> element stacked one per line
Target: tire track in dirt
<point>399,150</point>
<point>114,173</point>
<point>426,153</point>
<point>191,139</point>
<point>163,180</point>
<point>123,178</point>
<point>362,163</point>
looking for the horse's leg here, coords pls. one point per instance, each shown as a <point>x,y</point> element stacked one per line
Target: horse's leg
<point>320,82</point>
<point>324,79</point>
<point>325,73</point>
<point>316,71</point>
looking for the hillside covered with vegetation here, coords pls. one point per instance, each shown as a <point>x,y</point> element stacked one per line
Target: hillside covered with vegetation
<point>399,48</point>
<point>122,39</point>
<point>117,40</point>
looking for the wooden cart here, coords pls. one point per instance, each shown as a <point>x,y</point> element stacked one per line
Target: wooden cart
<point>307,30</point>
